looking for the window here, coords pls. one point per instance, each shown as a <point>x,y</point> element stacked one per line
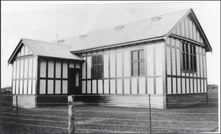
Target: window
<point>137,59</point>
<point>97,66</point>
<point>188,56</point>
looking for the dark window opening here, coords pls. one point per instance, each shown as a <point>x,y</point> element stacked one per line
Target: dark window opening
<point>188,56</point>
<point>97,66</point>
<point>137,59</point>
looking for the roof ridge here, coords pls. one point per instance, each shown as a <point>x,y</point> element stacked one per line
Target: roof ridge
<point>126,24</point>
<point>44,42</point>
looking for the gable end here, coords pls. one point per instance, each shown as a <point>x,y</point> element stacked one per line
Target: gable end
<point>21,50</point>
<point>189,27</point>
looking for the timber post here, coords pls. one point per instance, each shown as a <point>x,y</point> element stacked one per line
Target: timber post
<point>71,127</point>
<point>150,113</point>
<point>17,107</point>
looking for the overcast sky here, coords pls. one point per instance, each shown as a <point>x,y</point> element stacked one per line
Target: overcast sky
<point>43,20</point>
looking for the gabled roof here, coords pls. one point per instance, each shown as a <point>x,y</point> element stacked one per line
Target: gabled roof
<point>46,49</point>
<point>153,28</point>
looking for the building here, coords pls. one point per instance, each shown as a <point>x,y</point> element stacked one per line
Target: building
<point>164,56</point>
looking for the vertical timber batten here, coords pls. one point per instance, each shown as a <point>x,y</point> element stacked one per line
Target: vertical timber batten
<point>154,68</point>
<point>54,77</point>
<point>164,74</point>
<point>145,69</point>
<point>37,82</point>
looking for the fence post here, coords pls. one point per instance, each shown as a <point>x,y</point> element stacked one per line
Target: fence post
<point>71,127</point>
<point>17,107</point>
<point>150,113</point>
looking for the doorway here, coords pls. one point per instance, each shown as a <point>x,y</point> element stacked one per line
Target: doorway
<point>74,82</point>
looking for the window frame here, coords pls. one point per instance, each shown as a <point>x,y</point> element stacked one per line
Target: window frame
<point>188,56</point>
<point>138,60</point>
<point>96,70</point>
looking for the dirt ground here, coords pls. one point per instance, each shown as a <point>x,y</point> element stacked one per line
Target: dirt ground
<point>107,119</point>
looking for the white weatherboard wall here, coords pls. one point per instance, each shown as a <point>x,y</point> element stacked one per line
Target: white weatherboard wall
<point>24,72</point>
<point>54,76</point>
<point>117,77</point>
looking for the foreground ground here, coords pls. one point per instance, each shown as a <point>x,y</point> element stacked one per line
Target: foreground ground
<point>106,119</point>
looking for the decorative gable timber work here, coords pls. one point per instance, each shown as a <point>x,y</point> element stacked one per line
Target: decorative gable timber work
<point>24,75</point>
<point>28,60</point>
<point>189,28</point>
<point>20,51</point>
<point>186,71</point>
<point>24,51</point>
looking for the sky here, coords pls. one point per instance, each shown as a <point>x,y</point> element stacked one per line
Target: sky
<point>42,21</point>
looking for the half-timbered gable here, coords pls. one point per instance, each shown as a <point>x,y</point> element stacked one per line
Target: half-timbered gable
<point>186,48</point>
<point>164,56</point>
<point>23,70</point>
<point>41,68</point>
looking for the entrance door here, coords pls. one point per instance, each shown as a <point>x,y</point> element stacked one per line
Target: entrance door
<point>74,82</point>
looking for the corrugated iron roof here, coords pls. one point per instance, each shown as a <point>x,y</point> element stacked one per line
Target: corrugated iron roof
<point>145,29</point>
<point>47,49</point>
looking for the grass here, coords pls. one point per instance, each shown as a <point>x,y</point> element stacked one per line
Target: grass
<point>97,119</point>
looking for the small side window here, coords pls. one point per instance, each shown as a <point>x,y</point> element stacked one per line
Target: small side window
<point>137,63</point>
<point>97,66</point>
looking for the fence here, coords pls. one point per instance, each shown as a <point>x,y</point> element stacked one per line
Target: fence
<point>100,117</point>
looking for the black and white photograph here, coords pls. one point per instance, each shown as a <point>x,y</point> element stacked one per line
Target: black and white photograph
<point>110,67</point>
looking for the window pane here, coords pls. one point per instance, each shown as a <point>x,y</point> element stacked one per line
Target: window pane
<point>50,69</point>
<point>141,54</point>
<point>94,59</point>
<point>43,68</point>
<point>191,49</point>
<point>194,50</point>
<point>188,56</point>
<point>100,59</point>
<point>58,69</point>
<point>186,47</point>
<point>135,55</point>
<point>183,61</point>
<point>183,47</point>
<point>50,86</point>
<point>187,61</point>
<point>97,67</point>
<point>191,62</point>
<point>94,71</point>
<point>135,68</point>
<point>141,68</point>
<point>100,71</point>
<point>77,79</point>
<point>65,86</point>
<point>194,63</point>
<point>65,70</point>
<point>57,87</point>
